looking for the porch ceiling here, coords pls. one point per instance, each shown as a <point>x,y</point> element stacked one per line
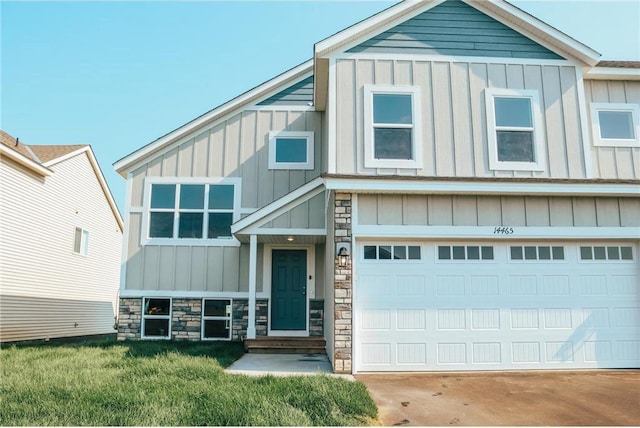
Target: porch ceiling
<point>283,239</point>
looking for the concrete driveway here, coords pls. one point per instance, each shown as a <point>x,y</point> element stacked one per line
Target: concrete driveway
<point>507,398</point>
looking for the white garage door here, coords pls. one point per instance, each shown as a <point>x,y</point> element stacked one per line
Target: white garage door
<point>496,306</point>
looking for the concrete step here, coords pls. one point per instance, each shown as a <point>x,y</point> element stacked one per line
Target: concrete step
<point>286,345</point>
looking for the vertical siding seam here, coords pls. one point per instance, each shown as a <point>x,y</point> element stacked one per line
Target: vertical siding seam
<point>472,152</point>
<point>359,124</point>
<point>433,123</point>
<point>452,119</point>
<point>563,127</point>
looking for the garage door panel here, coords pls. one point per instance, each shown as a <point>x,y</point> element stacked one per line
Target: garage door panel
<point>431,315</point>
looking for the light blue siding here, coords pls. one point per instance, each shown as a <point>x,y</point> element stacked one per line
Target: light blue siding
<point>455,28</point>
<point>300,93</point>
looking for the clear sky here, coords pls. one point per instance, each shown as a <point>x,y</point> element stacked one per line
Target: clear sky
<point>118,75</point>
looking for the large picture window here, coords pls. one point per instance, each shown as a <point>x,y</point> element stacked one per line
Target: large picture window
<point>514,130</point>
<point>392,128</point>
<point>190,212</point>
<point>616,125</point>
<point>156,318</point>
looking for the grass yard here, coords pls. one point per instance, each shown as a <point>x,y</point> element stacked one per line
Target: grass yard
<point>161,384</point>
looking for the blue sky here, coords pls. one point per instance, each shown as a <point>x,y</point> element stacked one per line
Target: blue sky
<point>118,75</point>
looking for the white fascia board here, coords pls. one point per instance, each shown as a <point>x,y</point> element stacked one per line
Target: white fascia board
<point>378,23</point>
<point>480,188</point>
<point>283,231</point>
<point>98,172</point>
<point>265,212</point>
<point>536,29</point>
<point>24,161</point>
<point>219,113</point>
<point>612,73</point>
<point>493,232</point>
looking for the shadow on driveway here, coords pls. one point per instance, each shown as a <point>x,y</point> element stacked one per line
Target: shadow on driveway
<point>586,398</point>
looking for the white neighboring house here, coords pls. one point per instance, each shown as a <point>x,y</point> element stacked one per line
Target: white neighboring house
<point>60,243</point>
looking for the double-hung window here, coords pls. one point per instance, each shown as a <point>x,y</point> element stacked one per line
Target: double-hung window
<point>190,211</point>
<point>514,124</point>
<point>616,125</point>
<point>392,127</point>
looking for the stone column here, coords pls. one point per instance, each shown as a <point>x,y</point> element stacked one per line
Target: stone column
<point>342,287</point>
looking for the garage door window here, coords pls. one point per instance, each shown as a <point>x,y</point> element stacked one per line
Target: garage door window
<point>392,252</point>
<point>532,253</point>
<point>461,252</point>
<point>595,253</point>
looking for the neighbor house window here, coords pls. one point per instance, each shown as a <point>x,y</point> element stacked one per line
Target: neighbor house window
<point>156,318</point>
<point>216,319</point>
<point>616,125</point>
<point>81,241</point>
<point>291,150</point>
<point>392,127</point>
<point>190,212</point>
<point>515,131</point>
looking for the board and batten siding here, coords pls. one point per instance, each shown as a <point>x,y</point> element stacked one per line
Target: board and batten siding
<point>454,28</point>
<point>47,290</point>
<point>613,162</point>
<point>533,211</point>
<point>236,147</point>
<point>454,125</point>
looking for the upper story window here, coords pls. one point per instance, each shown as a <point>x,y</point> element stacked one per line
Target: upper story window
<point>616,125</point>
<point>290,150</point>
<point>514,130</point>
<point>190,211</point>
<point>81,241</point>
<point>392,127</point>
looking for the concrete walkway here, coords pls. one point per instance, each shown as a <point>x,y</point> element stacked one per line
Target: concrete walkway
<point>283,365</point>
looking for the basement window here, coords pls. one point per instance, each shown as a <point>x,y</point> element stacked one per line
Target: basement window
<point>216,319</point>
<point>156,318</point>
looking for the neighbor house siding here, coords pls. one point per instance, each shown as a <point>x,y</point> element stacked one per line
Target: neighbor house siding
<point>454,28</point>
<point>47,290</point>
<point>237,147</point>
<point>454,124</point>
<point>614,162</point>
<point>432,210</point>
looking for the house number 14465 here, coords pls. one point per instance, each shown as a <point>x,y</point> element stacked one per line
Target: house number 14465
<point>502,230</point>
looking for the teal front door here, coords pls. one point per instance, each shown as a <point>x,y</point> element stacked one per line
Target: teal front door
<point>289,290</point>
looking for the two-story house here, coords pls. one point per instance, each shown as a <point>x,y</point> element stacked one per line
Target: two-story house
<point>446,185</point>
<point>60,243</point>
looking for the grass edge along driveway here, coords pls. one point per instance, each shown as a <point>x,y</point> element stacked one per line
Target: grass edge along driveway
<point>165,384</point>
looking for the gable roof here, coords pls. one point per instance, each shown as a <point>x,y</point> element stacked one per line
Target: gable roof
<point>500,10</point>
<point>40,158</point>
<point>264,90</point>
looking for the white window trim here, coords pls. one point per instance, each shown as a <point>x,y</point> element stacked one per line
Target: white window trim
<point>538,130</point>
<point>216,318</point>
<point>217,242</point>
<point>416,136</point>
<point>634,109</point>
<point>308,135</point>
<point>84,241</point>
<point>144,317</point>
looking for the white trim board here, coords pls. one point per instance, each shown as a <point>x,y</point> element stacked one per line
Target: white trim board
<point>138,294</point>
<point>24,161</point>
<point>497,232</point>
<point>377,185</point>
<point>612,73</point>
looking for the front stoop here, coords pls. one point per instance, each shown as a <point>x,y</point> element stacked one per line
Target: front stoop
<point>286,345</point>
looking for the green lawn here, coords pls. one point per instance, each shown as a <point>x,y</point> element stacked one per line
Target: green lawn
<point>164,383</point>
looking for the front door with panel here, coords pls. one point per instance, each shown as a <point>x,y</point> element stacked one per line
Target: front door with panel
<point>289,290</point>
